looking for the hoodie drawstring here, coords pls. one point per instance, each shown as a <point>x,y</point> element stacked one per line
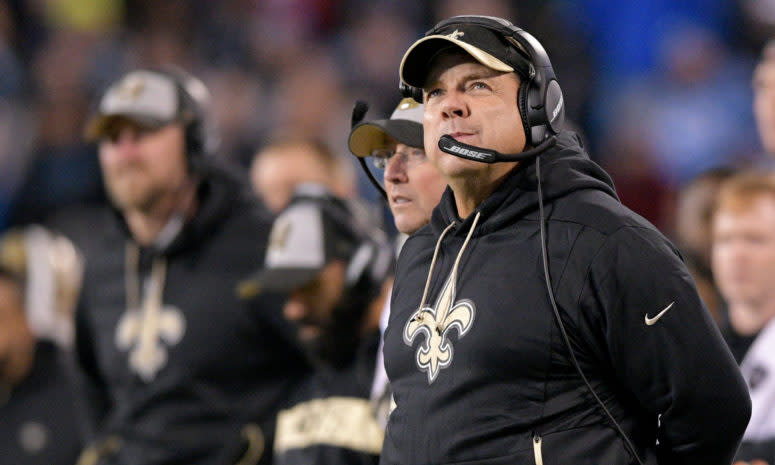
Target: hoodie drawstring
<point>132,279</point>
<point>454,267</point>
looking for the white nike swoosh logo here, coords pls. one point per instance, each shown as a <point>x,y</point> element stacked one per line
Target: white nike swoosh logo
<point>651,321</point>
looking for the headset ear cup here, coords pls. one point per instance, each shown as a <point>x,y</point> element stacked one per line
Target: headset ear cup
<point>522,104</point>
<point>554,107</point>
<point>417,95</point>
<point>408,91</point>
<point>200,137</point>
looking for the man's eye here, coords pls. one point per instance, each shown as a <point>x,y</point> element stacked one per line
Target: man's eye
<point>417,154</point>
<point>479,85</point>
<point>432,93</point>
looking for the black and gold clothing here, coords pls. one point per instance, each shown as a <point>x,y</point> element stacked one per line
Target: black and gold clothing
<point>179,370</point>
<point>330,420</point>
<point>478,366</point>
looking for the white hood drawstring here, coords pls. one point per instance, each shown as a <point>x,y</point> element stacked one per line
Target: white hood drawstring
<point>421,313</point>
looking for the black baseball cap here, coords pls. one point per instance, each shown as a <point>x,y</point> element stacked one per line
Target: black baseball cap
<point>404,125</point>
<point>488,46</point>
<point>312,231</point>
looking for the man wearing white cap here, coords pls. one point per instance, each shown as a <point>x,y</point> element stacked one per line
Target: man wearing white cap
<point>412,187</point>
<point>537,319</point>
<point>179,370</point>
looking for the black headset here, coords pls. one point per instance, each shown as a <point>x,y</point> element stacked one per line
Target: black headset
<point>540,99</point>
<point>201,139</point>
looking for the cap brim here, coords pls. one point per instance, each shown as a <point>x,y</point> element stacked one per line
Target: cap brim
<point>370,135</point>
<point>275,280</point>
<point>419,57</point>
<point>98,125</point>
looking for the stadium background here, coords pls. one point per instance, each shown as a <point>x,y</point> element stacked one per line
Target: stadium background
<point>660,89</point>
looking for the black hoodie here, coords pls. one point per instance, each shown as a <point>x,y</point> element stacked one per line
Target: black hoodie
<point>482,375</point>
<point>183,394</point>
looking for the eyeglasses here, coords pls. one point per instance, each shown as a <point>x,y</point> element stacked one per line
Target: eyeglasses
<point>381,156</point>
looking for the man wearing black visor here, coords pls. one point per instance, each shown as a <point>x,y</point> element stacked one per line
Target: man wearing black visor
<point>537,319</point>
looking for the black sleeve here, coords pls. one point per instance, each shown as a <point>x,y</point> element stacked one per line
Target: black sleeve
<point>666,349</point>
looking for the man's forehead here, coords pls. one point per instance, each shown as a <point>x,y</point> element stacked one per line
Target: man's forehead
<point>454,57</point>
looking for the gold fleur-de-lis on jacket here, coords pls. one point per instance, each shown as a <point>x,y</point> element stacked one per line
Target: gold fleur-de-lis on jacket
<point>436,353</point>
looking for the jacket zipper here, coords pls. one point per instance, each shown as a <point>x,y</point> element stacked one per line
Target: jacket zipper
<point>537,450</point>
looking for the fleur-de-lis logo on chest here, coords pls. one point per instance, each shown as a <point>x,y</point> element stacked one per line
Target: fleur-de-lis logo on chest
<point>436,352</point>
<point>147,333</point>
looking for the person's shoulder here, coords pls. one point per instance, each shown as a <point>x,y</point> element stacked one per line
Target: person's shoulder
<point>424,233</point>
<point>598,211</point>
<point>419,239</point>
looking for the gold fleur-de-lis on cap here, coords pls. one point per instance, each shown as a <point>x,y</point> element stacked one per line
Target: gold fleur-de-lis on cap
<point>455,34</point>
<point>131,87</point>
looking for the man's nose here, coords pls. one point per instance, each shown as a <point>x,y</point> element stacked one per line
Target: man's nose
<point>454,105</point>
<point>395,171</point>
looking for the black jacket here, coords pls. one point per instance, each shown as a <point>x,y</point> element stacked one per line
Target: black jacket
<point>482,375</point>
<point>38,417</point>
<point>185,394</point>
<point>330,420</point>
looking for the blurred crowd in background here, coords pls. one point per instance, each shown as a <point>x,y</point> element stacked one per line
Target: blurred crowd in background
<point>661,90</point>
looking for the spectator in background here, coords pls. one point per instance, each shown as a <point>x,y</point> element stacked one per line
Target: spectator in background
<point>37,403</point>
<point>177,368</point>
<point>692,230</point>
<point>375,37</point>
<point>310,98</point>
<point>744,269</point>
<point>412,185</point>
<point>743,256</point>
<point>764,98</point>
<point>62,171</point>
<point>334,266</point>
<point>693,113</point>
<point>238,100</point>
<point>279,167</point>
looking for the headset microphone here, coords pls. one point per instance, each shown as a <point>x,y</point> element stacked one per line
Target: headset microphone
<point>359,112</point>
<point>449,145</point>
